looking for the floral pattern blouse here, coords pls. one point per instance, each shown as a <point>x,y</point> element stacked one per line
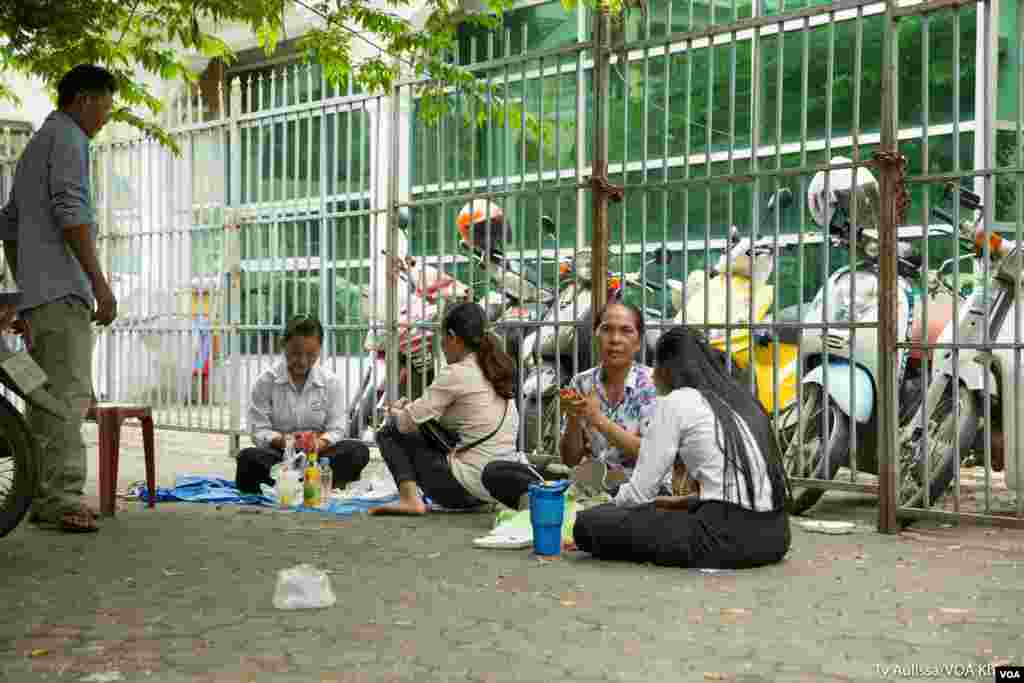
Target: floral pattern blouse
<point>633,413</point>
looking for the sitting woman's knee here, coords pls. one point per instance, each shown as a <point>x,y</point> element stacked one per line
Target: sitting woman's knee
<point>360,454</point>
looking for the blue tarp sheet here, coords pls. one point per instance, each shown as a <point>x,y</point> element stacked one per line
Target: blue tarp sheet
<point>200,489</point>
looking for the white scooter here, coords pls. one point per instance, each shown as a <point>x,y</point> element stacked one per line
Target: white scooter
<point>949,425</point>
<point>816,434</point>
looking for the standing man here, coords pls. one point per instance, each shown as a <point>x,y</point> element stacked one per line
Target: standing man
<point>49,233</point>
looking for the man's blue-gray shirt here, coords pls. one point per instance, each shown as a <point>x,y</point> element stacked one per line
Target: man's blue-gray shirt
<point>51,192</point>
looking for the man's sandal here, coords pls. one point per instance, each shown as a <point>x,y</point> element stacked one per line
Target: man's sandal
<point>79,520</point>
<point>72,520</point>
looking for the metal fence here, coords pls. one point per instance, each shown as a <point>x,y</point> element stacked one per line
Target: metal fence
<point>668,158</point>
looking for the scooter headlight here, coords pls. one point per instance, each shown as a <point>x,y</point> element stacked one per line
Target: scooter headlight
<point>850,298</point>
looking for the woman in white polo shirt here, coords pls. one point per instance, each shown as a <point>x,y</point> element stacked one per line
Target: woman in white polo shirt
<point>708,424</point>
<point>298,395</point>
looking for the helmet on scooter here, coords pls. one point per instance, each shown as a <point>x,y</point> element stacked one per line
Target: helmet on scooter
<point>844,193</point>
<point>481,224</point>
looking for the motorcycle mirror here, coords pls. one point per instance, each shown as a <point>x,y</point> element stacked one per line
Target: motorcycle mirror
<point>781,199</point>
<point>734,235</point>
<point>404,218</point>
<point>548,226</point>
<point>968,199</point>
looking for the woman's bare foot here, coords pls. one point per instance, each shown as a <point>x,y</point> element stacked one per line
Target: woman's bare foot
<point>414,506</point>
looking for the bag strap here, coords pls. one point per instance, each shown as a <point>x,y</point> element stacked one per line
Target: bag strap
<point>463,449</point>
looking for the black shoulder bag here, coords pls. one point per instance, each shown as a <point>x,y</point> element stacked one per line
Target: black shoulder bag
<point>448,442</point>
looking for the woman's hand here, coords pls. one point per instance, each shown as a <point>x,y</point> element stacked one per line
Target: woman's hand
<point>397,406</point>
<point>674,502</point>
<point>583,406</point>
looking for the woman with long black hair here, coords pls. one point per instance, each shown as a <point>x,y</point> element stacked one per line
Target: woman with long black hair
<point>472,396</point>
<point>710,425</point>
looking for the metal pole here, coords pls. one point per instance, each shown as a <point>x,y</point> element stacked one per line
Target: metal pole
<point>889,165</point>
<point>233,266</point>
<point>391,355</point>
<point>600,188</point>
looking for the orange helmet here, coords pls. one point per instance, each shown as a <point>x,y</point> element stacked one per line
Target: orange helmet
<point>482,222</point>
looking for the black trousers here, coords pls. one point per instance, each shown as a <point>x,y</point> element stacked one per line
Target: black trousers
<point>508,481</point>
<point>348,458</point>
<point>712,534</point>
<point>411,458</point>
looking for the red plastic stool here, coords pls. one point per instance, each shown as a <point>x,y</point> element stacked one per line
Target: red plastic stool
<point>109,417</point>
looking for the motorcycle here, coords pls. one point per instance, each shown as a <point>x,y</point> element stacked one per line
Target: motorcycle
<point>422,288</point>
<point>19,450</point>
<point>948,426</point>
<point>742,274</point>
<point>816,439</point>
<point>521,294</point>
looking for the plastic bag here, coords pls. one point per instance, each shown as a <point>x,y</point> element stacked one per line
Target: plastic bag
<point>303,587</point>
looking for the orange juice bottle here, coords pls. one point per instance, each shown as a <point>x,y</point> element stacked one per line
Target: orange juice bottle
<point>311,486</point>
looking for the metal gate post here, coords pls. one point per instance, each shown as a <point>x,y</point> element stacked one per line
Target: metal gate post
<point>889,165</point>
<point>233,268</point>
<point>601,189</point>
<point>391,324</point>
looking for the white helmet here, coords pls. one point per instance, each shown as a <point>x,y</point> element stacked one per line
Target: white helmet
<point>840,186</point>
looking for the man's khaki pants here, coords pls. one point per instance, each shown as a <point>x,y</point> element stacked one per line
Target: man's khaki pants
<point>62,344</point>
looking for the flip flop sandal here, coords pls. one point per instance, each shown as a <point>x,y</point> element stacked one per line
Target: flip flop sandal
<point>823,526</point>
<point>70,521</point>
<point>516,541</point>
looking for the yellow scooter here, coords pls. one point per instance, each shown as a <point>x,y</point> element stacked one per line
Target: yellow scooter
<point>743,270</point>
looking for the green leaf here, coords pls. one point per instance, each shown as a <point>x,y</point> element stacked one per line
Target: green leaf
<point>267,37</point>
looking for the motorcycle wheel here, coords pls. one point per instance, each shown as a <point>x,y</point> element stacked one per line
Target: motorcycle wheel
<point>807,455</point>
<point>19,456</point>
<point>361,415</point>
<point>943,430</point>
<point>540,429</point>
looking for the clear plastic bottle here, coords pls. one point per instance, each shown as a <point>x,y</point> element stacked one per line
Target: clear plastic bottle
<point>289,450</point>
<point>326,482</point>
<point>285,486</point>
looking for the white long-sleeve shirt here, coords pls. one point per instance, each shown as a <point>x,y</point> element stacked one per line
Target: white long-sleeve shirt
<point>683,430</point>
<point>277,407</point>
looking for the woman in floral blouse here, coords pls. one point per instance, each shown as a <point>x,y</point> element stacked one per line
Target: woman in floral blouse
<point>607,415</point>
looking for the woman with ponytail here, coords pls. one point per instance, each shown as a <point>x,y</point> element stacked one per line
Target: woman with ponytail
<point>472,396</point>
<point>713,427</point>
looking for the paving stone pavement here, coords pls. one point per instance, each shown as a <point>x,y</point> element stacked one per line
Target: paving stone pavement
<point>183,593</point>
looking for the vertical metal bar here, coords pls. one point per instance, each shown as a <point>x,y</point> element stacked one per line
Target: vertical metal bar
<point>989,35</point>
<point>755,201</point>
<point>391,355</point>
<point>623,71</point>
<point>599,199</point>
<point>779,44</point>
<point>666,299</point>
<point>645,196</point>
<point>957,165</point>
<point>708,142</point>
<point>348,204</point>
<point>326,252</point>
<point>887,266</point>
<point>687,146</point>
<point>187,237</point>
<point>581,130</point>
<point>1012,437</point>
<point>103,337</point>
